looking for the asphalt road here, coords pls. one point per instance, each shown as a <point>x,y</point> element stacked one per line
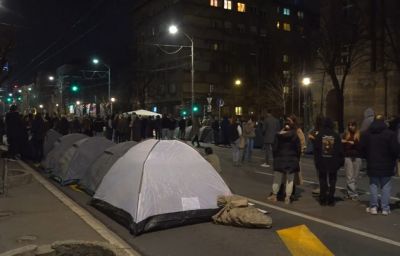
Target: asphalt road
<point>345,229</point>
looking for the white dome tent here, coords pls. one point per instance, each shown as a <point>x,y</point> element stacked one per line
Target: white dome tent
<point>160,184</point>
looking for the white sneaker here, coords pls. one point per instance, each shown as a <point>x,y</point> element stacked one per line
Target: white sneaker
<point>265,165</point>
<point>385,212</point>
<point>373,210</point>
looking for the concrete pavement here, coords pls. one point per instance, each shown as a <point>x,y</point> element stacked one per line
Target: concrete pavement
<point>34,214</point>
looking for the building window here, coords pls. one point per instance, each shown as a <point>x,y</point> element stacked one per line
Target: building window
<point>253,29</point>
<point>263,32</point>
<point>238,111</point>
<point>286,11</point>
<point>287,27</point>
<point>241,28</point>
<point>241,7</point>
<point>228,25</point>
<point>278,25</point>
<point>300,15</point>
<point>215,46</point>
<point>214,3</point>
<point>228,4</point>
<point>285,58</point>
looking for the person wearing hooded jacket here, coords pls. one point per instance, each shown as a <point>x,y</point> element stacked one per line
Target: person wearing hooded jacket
<point>286,153</point>
<point>379,146</point>
<point>328,157</point>
<point>369,116</point>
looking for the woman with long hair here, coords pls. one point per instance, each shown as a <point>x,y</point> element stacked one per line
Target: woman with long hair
<point>352,158</point>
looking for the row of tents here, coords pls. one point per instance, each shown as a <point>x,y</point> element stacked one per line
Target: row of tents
<point>144,186</point>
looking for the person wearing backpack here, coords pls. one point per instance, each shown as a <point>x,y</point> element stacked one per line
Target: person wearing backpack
<point>328,157</point>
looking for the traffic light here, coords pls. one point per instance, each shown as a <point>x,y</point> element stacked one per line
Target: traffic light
<point>19,98</point>
<point>184,112</point>
<point>9,100</point>
<point>195,109</point>
<point>74,88</point>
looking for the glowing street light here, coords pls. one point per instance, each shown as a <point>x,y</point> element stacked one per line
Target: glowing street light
<point>113,99</point>
<point>40,106</point>
<point>306,81</point>
<point>238,82</point>
<point>51,78</point>
<point>29,89</point>
<point>173,29</point>
<point>20,91</point>
<point>78,103</point>
<point>95,61</point>
<point>57,105</point>
<point>10,94</point>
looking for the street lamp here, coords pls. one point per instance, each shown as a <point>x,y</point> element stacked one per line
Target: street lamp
<point>51,78</point>
<point>306,83</point>
<point>78,103</point>
<point>174,30</point>
<point>40,106</point>
<point>19,91</point>
<point>96,61</point>
<point>238,82</point>
<point>112,100</point>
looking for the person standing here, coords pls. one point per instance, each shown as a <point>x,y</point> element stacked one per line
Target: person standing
<point>249,133</point>
<point>195,131</point>
<point>369,116</point>
<point>215,128</point>
<point>213,159</point>
<point>225,131</point>
<point>379,146</point>
<point>235,131</point>
<point>171,127</point>
<point>286,153</point>
<point>352,160</point>
<point>38,133</point>
<point>158,127</point>
<point>328,157</point>
<point>271,127</point>
<point>16,132</point>
<point>311,137</point>
<point>182,128</point>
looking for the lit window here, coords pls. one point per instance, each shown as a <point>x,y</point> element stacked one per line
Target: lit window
<point>286,27</point>
<point>278,25</point>
<point>228,4</point>
<point>300,15</point>
<point>286,11</point>
<point>238,111</point>
<point>215,46</point>
<point>241,7</point>
<point>214,3</point>
<point>285,58</point>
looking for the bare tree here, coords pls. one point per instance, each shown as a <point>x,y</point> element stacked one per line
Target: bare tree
<point>341,43</point>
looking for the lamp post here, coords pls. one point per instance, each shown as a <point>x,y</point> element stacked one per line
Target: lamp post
<point>96,61</point>
<point>174,30</point>
<point>112,100</point>
<point>306,83</point>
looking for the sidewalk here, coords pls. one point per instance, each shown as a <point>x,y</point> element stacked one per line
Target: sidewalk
<point>38,213</point>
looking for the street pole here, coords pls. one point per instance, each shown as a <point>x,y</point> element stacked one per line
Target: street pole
<point>192,71</point>
<point>109,83</point>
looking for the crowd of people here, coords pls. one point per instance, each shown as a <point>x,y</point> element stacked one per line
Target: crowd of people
<point>376,140</point>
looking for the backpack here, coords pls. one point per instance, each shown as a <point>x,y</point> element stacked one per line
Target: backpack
<point>328,143</point>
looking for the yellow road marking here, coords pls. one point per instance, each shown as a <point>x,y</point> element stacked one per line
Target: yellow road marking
<point>302,242</point>
<point>75,188</point>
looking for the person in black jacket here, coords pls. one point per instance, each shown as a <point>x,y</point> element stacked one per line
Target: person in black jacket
<point>379,146</point>
<point>286,153</point>
<point>17,136</point>
<point>328,157</point>
<point>38,133</point>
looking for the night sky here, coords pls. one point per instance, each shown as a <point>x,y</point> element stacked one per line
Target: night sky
<point>54,32</point>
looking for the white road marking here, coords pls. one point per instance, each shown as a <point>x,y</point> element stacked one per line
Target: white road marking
<point>328,223</point>
<point>313,182</point>
<point>99,227</point>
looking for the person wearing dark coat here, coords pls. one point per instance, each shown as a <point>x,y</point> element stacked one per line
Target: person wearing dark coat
<point>17,136</point>
<point>63,126</point>
<point>215,128</point>
<point>38,133</point>
<point>225,131</point>
<point>182,128</point>
<point>328,157</point>
<point>379,146</point>
<point>286,153</point>
<point>158,127</point>
<point>271,126</point>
